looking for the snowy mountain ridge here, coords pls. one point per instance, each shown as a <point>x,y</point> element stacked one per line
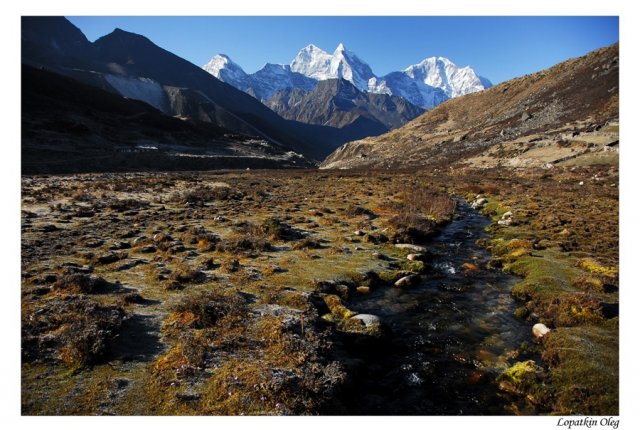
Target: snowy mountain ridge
<point>425,84</point>
<point>315,63</point>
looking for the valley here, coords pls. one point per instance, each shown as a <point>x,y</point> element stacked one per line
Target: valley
<point>313,238</point>
<point>270,292</point>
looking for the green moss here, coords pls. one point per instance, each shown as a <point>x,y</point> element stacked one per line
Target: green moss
<point>338,310</point>
<point>389,276</point>
<point>351,325</point>
<point>495,209</point>
<point>584,369</point>
<point>544,275</point>
<point>525,378</point>
<point>520,373</point>
<point>592,266</point>
<point>582,349</point>
<point>508,251</point>
<point>414,266</point>
<point>521,312</point>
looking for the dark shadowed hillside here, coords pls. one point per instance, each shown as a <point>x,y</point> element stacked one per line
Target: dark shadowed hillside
<point>133,66</point>
<point>68,126</point>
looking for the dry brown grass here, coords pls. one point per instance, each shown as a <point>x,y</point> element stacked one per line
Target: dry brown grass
<point>418,211</point>
<point>74,329</point>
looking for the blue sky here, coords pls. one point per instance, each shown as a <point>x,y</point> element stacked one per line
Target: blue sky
<point>498,48</point>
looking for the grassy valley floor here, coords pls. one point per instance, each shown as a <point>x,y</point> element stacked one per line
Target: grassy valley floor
<point>230,292</point>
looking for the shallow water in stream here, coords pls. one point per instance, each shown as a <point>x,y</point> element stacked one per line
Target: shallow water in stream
<point>453,334</point>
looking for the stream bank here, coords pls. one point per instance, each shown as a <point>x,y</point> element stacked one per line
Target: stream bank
<point>453,334</point>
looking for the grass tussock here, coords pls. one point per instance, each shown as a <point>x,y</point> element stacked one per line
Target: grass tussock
<point>205,194</point>
<point>418,212</point>
<point>81,283</point>
<point>76,331</point>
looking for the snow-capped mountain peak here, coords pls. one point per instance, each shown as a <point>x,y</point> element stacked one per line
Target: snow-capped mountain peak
<point>313,62</point>
<point>425,84</point>
<point>440,72</point>
<point>317,64</point>
<point>226,70</point>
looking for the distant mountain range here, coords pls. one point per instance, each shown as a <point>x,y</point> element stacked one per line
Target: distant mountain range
<point>338,103</point>
<point>565,114</point>
<point>132,66</point>
<point>426,84</point>
<point>122,103</point>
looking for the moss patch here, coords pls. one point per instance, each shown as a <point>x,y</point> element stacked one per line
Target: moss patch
<point>583,365</point>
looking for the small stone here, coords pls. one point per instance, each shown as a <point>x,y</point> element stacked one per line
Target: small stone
<point>480,202</point>
<point>343,291</point>
<point>363,289</point>
<point>160,237</point>
<point>367,319</point>
<point>108,258</point>
<point>415,257</point>
<point>359,233</point>
<point>505,222</point>
<point>459,138</point>
<point>411,247</point>
<point>406,281</point>
<point>470,267</point>
<point>539,330</point>
<point>507,214</point>
<point>139,240</point>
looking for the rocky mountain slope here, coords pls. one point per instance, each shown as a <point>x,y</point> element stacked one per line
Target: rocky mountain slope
<point>262,84</point>
<point>338,103</point>
<point>565,114</point>
<point>134,67</point>
<point>68,126</point>
<point>425,84</point>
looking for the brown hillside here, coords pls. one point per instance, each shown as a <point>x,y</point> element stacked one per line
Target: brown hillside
<point>558,115</point>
